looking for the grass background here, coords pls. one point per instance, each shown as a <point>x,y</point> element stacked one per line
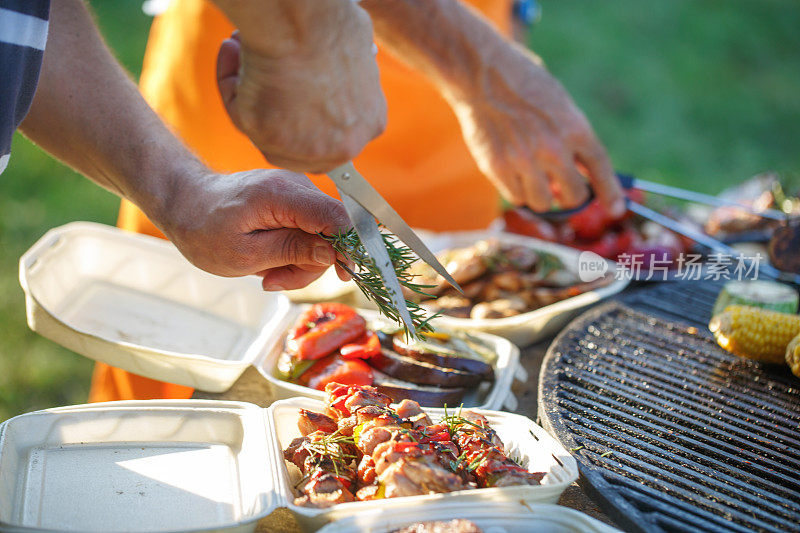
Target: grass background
<point>695,93</point>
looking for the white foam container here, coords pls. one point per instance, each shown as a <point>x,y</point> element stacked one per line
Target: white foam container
<point>522,438</point>
<point>160,465</point>
<point>533,326</point>
<point>197,465</point>
<point>134,302</point>
<point>497,518</point>
<point>496,395</point>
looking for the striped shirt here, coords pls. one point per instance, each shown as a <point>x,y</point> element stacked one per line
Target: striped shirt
<point>23,35</point>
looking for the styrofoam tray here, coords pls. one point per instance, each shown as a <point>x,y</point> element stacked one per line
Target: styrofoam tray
<point>181,465</point>
<point>134,302</point>
<point>161,465</point>
<point>524,439</point>
<point>506,517</point>
<point>495,395</point>
<point>530,327</point>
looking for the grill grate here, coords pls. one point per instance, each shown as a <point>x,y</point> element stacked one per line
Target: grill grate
<point>671,432</point>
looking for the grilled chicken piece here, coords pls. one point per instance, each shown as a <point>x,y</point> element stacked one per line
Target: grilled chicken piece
<point>502,308</point>
<point>368,492</point>
<point>310,421</point>
<point>411,411</point>
<point>411,476</point>
<point>324,489</point>
<point>456,306</point>
<point>482,447</point>
<point>366,470</point>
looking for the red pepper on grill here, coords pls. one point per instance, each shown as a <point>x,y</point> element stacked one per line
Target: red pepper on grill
<point>368,345</point>
<point>322,329</point>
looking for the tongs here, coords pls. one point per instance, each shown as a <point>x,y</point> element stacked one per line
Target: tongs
<point>364,204</point>
<point>629,182</point>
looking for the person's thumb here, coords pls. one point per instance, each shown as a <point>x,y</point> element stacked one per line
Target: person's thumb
<point>283,247</point>
<point>228,60</point>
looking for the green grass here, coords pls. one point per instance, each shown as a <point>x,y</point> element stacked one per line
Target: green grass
<point>697,93</point>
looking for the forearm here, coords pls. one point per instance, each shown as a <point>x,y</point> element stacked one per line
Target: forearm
<point>280,28</point>
<point>89,114</point>
<point>450,42</point>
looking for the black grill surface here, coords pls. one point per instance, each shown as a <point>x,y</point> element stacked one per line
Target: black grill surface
<point>671,432</point>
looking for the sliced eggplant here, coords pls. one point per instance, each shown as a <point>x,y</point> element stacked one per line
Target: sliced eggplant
<point>426,396</point>
<point>445,354</point>
<point>421,373</point>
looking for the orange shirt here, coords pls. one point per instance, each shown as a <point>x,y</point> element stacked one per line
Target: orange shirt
<point>420,164</point>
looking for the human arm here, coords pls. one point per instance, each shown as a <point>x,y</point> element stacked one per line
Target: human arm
<point>301,80</point>
<point>523,129</point>
<point>89,114</point>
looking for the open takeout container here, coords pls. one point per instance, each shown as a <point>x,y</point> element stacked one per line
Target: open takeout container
<point>134,302</point>
<point>494,395</point>
<point>198,465</point>
<point>526,328</point>
<point>510,517</point>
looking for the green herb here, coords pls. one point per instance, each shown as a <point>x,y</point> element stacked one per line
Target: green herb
<point>606,454</point>
<point>368,277</point>
<point>329,448</point>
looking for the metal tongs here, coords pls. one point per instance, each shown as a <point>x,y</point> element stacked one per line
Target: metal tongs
<point>364,205</point>
<point>629,182</point>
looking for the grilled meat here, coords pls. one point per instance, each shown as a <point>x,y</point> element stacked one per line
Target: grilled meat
<point>363,449</point>
<point>310,422</point>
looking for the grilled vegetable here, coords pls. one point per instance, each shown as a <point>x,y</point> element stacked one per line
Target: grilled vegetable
<point>334,369</point>
<point>755,333</point>
<point>424,395</point>
<point>322,329</point>
<point>756,293</point>
<point>367,346</point>
<point>444,350</point>
<point>408,369</point>
<point>793,355</point>
<point>291,368</point>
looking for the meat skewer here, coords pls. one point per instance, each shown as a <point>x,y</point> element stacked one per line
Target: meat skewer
<point>363,449</point>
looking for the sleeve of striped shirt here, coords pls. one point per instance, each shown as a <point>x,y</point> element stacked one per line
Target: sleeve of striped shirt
<point>23,35</point>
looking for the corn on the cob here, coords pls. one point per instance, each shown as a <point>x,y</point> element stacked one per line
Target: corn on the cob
<point>755,333</point>
<point>793,355</point>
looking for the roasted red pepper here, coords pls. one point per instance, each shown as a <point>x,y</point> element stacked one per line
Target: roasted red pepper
<point>369,345</point>
<point>334,369</point>
<point>323,329</point>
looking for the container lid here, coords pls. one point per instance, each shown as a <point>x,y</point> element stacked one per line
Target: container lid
<point>134,302</point>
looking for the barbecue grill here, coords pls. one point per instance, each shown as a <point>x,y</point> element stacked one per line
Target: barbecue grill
<point>671,432</point>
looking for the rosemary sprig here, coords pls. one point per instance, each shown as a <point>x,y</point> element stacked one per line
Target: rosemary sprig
<point>368,277</point>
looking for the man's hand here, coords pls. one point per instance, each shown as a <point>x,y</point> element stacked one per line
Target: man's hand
<point>523,129</point>
<point>260,222</point>
<point>529,137</point>
<point>310,99</point>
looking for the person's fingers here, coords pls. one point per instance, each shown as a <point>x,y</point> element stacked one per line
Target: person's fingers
<point>602,177</point>
<point>289,277</point>
<point>566,183</point>
<point>533,181</point>
<point>343,274</point>
<point>537,190</point>
<point>302,207</point>
<point>228,59</point>
<point>279,248</point>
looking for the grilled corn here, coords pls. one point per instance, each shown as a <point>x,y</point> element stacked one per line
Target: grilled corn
<point>755,333</point>
<point>793,355</point>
